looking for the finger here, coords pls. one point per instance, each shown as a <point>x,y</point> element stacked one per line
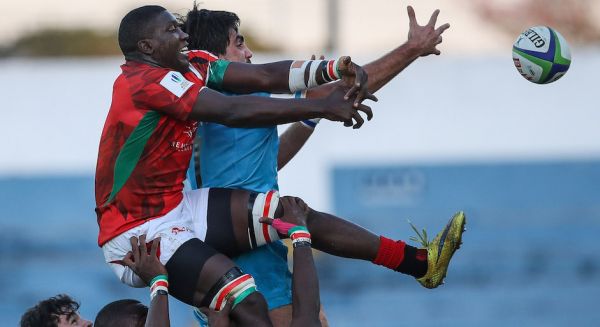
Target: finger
<point>412,20</point>
<point>135,249</point>
<point>359,98</point>
<point>266,220</point>
<point>436,52</point>
<point>352,91</point>
<point>348,123</point>
<point>371,97</point>
<point>128,260</point>
<point>312,57</point>
<point>155,245</point>
<point>442,28</point>
<point>285,203</point>
<point>439,40</point>
<point>227,308</point>
<point>344,62</point>
<point>143,244</point>
<point>359,120</point>
<point>367,110</point>
<point>433,18</point>
<point>302,205</point>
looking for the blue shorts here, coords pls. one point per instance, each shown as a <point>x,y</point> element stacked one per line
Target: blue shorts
<point>269,266</point>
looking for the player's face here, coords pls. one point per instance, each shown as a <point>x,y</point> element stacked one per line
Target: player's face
<point>237,51</point>
<point>73,319</point>
<point>168,43</point>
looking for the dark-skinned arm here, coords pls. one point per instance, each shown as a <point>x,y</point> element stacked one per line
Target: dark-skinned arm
<point>422,41</point>
<point>255,111</point>
<point>306,302</point>
<point>147,266</point>
<point>242,78</point>
<point>291,141</point>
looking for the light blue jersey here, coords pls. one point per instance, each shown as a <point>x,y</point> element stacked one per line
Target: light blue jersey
<point>246,158</point>
<point>241,158</point>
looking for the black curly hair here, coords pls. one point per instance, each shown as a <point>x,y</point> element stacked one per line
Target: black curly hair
<point>209,29</point>
<point>46,313</point>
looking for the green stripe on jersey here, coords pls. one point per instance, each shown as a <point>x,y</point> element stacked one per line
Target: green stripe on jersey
<point>216,73</point>
<point>132,151</point>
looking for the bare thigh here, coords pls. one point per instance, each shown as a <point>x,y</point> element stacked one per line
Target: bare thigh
<point>282,316</point>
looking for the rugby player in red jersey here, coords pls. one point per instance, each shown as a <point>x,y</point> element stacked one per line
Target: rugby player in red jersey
<point>145,148</point>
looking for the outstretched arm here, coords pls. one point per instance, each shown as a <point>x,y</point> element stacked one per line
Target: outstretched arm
<point>255,111</point>
<point>291,76</point>
<point>291,141</point>
<point>150,269</point>
<point>422,41</point>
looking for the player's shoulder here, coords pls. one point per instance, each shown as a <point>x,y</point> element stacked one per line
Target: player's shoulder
<point>201,56</point>
<point>144,73</point>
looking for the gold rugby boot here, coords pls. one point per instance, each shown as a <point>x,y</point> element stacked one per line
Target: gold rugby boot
<point>441,249</point>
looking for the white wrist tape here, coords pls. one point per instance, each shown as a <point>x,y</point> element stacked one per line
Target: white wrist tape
<point>303,74</point>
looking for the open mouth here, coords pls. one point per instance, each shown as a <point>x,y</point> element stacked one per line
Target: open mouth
<point>184,50</point>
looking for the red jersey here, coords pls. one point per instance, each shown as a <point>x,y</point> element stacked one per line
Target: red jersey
<point>146,144</point>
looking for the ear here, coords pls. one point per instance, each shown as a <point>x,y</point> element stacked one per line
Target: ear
<point>146,46</point>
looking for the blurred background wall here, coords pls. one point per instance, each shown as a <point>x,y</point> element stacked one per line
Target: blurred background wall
<point>462,131</point>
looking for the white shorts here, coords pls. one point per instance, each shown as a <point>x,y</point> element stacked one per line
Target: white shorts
<point>186,221</point>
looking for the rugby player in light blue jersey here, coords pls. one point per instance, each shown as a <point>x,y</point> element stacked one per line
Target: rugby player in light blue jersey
<point>249,159</point>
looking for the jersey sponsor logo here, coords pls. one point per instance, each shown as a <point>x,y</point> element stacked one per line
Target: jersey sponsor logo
<point>182,146</point>
<point>177,230</point>
<point>176,83</point>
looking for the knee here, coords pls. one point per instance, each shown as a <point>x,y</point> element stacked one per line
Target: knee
<point>252,311</point>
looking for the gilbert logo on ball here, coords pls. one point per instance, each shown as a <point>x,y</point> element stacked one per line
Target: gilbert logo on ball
<point>541,55</point>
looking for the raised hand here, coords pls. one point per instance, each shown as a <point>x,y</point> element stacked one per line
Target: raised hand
<point>336,108</point>
<point>294,214</point>
<point>144,264</point>
<point>425,37</point>
<point>355,78</point>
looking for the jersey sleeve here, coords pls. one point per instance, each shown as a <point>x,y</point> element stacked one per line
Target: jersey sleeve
<point>216,72</point>
<point>165,91</point>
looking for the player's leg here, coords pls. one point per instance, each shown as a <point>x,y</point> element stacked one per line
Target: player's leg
<point>202,277</point>
<point>332,235</point>
<point>428,264</point>
<point>340,237</point>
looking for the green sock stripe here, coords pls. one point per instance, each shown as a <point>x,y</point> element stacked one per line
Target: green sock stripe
<point>242,296</point>
<point>295,229</point>
<point>159,277</point>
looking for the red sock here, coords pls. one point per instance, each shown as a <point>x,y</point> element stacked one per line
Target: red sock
<point>401,257</point>
<point>390,253</point>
